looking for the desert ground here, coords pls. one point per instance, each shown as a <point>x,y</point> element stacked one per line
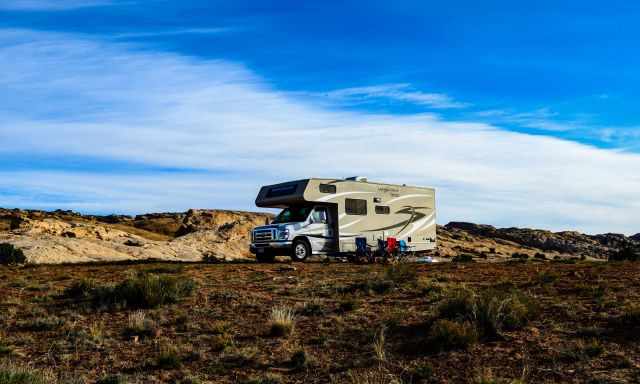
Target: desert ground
<point>175,298</point>
<point>321,322</point>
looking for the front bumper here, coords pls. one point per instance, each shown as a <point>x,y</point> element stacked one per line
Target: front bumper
<point>278,247</point>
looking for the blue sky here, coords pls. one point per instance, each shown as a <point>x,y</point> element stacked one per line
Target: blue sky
<point>520,114</point>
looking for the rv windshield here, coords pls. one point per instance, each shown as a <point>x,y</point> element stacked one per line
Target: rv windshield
<point>292,215</point>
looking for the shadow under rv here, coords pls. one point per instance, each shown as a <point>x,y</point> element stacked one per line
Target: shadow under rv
<point>325,216</point>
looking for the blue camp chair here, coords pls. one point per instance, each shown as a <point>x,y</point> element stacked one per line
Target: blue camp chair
<point>363,252</point>
<point>382,247</point>
<point>403,246</point>
<point>361,245</point>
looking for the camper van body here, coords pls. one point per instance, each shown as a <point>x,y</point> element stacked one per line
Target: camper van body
<point>326,215</point>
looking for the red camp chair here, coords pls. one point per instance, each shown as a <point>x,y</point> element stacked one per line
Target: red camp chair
<point>392,246</point>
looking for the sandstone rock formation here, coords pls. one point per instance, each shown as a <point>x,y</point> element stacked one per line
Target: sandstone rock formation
<point>67,237</point>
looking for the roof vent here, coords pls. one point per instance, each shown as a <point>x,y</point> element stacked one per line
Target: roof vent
<point>357,178</point>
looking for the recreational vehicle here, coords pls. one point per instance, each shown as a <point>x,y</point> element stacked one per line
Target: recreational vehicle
<point>325,216</point>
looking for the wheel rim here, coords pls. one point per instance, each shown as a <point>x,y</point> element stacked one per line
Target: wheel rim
<point>301,251</point>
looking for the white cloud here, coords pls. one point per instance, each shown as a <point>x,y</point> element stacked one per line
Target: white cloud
<point>68,95</point>
<point>50,5</point>
<point>397,92</point>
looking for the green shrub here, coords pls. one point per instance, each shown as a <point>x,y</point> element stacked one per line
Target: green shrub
<point>423,373</point>
<point>490,312</point>
<point>447,335</point>
<point>581,351</point>
<point>12,374</point>
<point>82,289</point>
<point>370,285</point>
<point>269,378</point>
<point>496,312</point>
<point>221,342</point>
<point>10,255</point>
<point>5,349</point>
<point>518,255</point>
<point>348,304</point>
<point>462,258</point>
<point>628,253</point>
<point>168,358</point>
<point>113,379</point>
<point>547,277</point>
<point>41,324</point>
<point>145,290</point>
<point>401,273</point>
<point>458,305</point>
<point>299,359</point>
<point>629,318</point>
<point>313,308</point>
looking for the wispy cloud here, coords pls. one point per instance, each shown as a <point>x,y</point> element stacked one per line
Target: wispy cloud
<point>79,97</point>
<point>541,119</point>
<point>173,32</point>
<point>51,5</point>
<point>396,92</point>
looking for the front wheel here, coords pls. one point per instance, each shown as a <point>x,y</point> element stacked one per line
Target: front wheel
<point>301,250</point>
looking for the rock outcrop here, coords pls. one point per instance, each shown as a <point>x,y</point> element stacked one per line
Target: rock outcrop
<point>566,243</point>
<point>68,237</point>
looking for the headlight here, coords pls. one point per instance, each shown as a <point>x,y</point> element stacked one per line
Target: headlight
<point>283,234</point>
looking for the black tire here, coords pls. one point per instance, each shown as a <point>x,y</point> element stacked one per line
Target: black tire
<point>266,257</point>
<point>300,250</point>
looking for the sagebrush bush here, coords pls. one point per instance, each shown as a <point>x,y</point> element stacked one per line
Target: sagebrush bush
<point>401,273</point>
<point>168,358</point>
<point>144,290</point>
<point>113,379</point>
<point>457,305</point>
<point>10,255</point>
<point>14,374</point>
<point>269,378</point>
<point>629,318</point>
<point>496,312</point>
<point>139,325</point>
<point>446,335</point>
<point>299,359</point>
<point>462,258</point>
<point>490,312</point>
<point>82,289</point>
<point>628,253</point>
<point>41,324</point>
<point>378,375</point>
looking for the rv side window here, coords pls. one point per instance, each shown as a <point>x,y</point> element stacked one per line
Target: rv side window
<point>327,188</point>
<point>355,206</point>
<point>382,210</point>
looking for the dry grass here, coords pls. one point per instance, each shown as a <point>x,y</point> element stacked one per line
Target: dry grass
<point>281,321</point>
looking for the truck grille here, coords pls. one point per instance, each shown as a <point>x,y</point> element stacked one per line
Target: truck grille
<point>262,236</point>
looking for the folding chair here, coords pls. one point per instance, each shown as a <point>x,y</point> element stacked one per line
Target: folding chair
<point>405,250</point>
<point>382,248</point>
<point>362,249</point>
<point>392,246</point>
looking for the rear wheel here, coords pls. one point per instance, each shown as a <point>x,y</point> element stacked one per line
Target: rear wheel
<point>301,250</point>
<point>266,257</point>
